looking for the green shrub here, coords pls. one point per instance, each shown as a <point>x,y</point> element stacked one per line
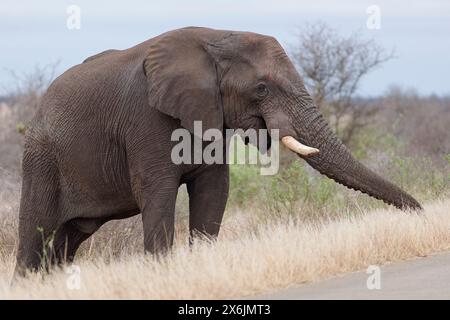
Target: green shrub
<point>245,184</point>
<point>295,190</point>
<point>419,176</point>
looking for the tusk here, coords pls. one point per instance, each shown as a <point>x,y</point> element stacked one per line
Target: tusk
<point>298,147</point>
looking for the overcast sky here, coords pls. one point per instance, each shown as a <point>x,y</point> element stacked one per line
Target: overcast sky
<point>35,32</point>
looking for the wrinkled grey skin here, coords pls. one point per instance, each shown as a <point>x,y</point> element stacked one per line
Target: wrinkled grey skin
<point>99,147</point>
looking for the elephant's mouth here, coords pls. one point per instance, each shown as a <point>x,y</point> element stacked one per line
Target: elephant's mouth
<point>289,141</point>
<point>258,123</point>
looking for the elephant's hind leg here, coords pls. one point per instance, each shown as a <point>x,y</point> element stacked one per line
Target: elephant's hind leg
<point>68,239</point>
<point>38,216</point>
<point>71,234</point>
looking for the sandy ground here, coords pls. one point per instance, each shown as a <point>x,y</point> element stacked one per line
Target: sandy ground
<point>422,278</point>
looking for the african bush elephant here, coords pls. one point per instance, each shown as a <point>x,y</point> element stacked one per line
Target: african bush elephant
<point>99,146</point>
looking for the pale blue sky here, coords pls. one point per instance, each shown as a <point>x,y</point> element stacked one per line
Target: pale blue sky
<point>35,33</point>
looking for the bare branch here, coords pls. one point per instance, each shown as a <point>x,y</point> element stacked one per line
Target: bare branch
<point>333,67</point>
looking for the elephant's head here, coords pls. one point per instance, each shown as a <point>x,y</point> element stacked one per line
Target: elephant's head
<point>246,80</point>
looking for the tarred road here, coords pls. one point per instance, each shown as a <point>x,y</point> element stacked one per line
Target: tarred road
<point>422,278</point>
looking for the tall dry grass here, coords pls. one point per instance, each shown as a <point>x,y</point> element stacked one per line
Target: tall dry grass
<point>250,257</point>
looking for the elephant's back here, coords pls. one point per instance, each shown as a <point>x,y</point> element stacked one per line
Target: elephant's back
<point>91,101</point>
<point>95,89</point>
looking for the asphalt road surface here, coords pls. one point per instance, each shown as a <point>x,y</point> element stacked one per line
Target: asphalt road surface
<point>422,278</point>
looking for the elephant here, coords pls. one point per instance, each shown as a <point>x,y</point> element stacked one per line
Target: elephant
<point>99,146</point>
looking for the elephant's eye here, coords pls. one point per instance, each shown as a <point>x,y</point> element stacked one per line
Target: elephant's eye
<point>261,90</point>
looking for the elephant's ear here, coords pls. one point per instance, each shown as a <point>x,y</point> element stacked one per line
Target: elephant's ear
<point>182,80</point>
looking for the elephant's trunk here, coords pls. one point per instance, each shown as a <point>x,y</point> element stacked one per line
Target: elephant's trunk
<point>336,162</point>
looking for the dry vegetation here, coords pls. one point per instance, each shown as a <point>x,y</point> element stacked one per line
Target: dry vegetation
<point>280,230</point>
<point>250,257</point>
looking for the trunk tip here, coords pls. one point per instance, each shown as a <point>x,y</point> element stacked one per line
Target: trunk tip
<point>409,204</point>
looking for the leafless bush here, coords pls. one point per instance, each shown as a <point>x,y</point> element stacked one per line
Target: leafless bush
<point>332,67</point>
<point>422,122</point>
<point>32,84</point>
<point>17,109</point>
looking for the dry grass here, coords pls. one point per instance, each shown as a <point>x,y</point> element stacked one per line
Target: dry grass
<point>250,257</point>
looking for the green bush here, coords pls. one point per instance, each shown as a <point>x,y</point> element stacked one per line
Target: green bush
<point>298,190</point>
<point>419,176</point>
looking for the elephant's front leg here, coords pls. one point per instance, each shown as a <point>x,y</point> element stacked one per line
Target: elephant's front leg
<point>157,205</point>
<point>208,194</point>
